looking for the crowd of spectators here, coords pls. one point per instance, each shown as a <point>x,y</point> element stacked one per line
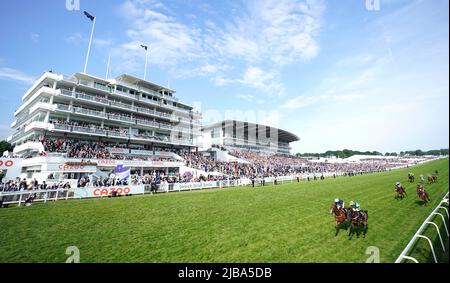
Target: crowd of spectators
<point>23,185</point>
<point>252,164</point>
<point>263,164</point>
<point>98,150</point>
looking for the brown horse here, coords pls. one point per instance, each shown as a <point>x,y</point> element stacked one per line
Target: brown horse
<point>340,216</point>
<point>400,192</point>
<point>423,195</point>
<point>358,219</point>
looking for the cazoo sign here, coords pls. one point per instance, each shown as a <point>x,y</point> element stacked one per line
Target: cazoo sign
<point>6,163</point>
<point>95,192</point>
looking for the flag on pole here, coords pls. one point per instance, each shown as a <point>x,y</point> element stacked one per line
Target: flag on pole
<point>89,16</point>
<point>145,47</point>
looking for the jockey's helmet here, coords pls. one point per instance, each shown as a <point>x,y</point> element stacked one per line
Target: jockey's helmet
<point>336,200</point>
<point>352,203</point>
<point>397,184</point>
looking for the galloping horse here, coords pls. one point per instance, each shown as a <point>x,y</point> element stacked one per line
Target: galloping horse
<point>340,216</point>
<point>434,177</point>
<point>411,177</point>
<point>423,196</point>
<point>400,192</point>
<point>358,219</point>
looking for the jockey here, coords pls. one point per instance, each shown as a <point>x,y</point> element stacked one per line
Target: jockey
<point>422,178</point>
<point>355,206</point>
<point>339,203</point>
<point>421,189</point>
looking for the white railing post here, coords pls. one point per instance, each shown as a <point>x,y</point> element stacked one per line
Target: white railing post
<point>446,210</point>
<point>443,220</point>
<point>410,258</point>
<point>431,246</point>
<point>439,234</point>
<point>20,198</point>
<point>421,228</point>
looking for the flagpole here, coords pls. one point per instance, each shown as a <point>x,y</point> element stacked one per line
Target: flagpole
<point>89,47</point>
<point>146,58</point>
<point>107,66</point>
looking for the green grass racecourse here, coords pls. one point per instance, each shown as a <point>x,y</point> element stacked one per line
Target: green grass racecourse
<point>284,223</point>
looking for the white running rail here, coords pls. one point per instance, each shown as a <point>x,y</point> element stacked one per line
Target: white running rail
<point>422,227</point>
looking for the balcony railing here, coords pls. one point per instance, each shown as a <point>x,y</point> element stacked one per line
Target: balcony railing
<point>118,92</point>
<point>67,92</point>
<point>62,127</point>
<point>112,116</point>
<point>89,112</point>
<point>147,123</point>
<point>63,107</point>
<point>121,118</point>
<point>122,105</point>
<point>92,98</point>
<point>117,134</point>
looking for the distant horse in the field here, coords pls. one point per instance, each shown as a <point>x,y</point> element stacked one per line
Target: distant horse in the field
<point>358,219</point>
<point>340,216</point>
<point>400,192</point>
<point>432,179</point>
<point>411,177</point>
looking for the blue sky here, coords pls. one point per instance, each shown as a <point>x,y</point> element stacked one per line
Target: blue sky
<point>337,74</point>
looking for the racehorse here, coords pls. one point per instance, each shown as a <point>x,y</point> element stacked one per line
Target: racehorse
<point>431,179</point>
<point>340,216</point>
<point>401,192</point>
<point>423,196</point>
<point>358,219</point>
<point>411,177</point>
<point>434,177</point>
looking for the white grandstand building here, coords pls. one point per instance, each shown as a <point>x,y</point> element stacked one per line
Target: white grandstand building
<point>137,119</point>
<point>248,136</point>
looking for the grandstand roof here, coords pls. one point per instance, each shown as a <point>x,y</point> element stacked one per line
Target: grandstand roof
<point>282,134</point>
<point>137,81</point>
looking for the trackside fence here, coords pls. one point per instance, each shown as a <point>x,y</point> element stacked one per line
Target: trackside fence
<point>429,221</point>
<point>22,197</point>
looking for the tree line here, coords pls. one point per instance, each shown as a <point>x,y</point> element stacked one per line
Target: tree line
<point>348,153</point>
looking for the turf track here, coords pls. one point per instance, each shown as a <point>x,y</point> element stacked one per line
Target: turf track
<point>284,223</point>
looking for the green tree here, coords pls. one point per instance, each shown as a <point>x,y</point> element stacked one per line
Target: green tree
<point>4,145</point>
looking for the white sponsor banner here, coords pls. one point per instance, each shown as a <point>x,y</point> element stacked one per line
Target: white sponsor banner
<point>76,168</point>
<point>192,186</point>
<point>137,163</point>
<point>8,163</point>
<point>12,167</point>
<point>142,152</point>
<point>93,192</point>
<point>115,150</point>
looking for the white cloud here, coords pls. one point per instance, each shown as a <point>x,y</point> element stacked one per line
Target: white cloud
<point>75,39</point>
<point>34,37</point>
<point>99,42</point>
<point>266,33</point>
<point>16,75</point>
<point>266,81</point>
<point>246,97</point>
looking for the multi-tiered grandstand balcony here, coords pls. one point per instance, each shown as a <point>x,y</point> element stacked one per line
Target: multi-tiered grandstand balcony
<point>124,110</point>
